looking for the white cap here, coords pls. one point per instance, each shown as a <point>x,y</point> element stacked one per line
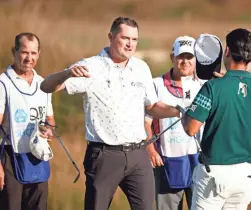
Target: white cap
<point>207,48</point>
<point>39,146</point>
<point>183,44</point>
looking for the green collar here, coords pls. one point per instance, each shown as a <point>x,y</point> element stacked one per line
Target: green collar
<point>238,73</point>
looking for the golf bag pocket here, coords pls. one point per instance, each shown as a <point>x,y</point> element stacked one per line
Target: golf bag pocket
<point>194,160</point>
<point>28,169</point>
<point>178,171</point>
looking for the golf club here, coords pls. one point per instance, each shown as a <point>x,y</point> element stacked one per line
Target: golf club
<point>202,156</point>
<point>66,151</point>
<point>156,137</point>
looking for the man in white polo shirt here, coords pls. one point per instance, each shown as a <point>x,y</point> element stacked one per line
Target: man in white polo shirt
<point>23,177</point>
<point>117,88</point>
<point>175,154</point>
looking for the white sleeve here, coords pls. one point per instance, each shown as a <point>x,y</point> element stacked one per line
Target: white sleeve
<point>77,84</point>
<point>155,84</point>
<point>2,98</point>
<point>151,97</point>
<point>49,106</point>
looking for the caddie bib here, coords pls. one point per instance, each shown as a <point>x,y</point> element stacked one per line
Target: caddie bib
<point>23,109</point>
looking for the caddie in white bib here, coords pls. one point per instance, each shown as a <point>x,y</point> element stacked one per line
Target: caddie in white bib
<point>24,109</point>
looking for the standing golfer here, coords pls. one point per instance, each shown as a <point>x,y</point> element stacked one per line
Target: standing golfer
<point>23,178</point>
<point>175,154</point>
<point>224,105</point>
<point>117,88</point>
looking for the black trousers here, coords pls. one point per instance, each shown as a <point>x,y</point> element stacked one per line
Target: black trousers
<point>107,169</point>
<point>16,196</point>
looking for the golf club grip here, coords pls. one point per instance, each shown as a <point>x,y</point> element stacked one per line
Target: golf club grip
<point>203,158</point>
<point>153,139</point>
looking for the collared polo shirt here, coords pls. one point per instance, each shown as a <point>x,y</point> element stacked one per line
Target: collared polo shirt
<point>114,98</point>
<point>23,85</point>
<point>224,105</point>
<point>171,85</point>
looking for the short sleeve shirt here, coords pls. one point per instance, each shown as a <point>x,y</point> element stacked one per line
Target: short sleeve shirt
<point>224,105</point>
<point>114,98</point>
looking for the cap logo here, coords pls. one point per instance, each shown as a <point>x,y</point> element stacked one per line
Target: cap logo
<point>188,94</point>
<point>185,42</point>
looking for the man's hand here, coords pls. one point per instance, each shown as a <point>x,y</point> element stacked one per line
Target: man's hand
<point>46,133</point>
<point>155,157</point>
<point>220,74</point>
<point>1,177</point>
<point>79,71</point>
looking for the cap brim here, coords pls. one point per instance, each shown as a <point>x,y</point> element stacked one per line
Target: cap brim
<point>184,51</point>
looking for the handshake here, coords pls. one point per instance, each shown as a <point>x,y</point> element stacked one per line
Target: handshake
<point>181,109</point>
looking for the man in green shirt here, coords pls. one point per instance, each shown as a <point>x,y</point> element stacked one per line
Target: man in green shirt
<point>224,104</point>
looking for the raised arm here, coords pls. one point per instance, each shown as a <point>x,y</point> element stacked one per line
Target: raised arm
<point>55,82</point>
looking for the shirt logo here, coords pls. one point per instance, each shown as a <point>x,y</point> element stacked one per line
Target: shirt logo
<point>188,94</point>
<point>20,116</point>
<point>242,89</point>
<point>185,42</point>
<point>137,84</point>
<point>193,107</point>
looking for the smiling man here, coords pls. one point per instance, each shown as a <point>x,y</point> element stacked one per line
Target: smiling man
<point>23,178</point>
<point>175,154</point>
<point>117,88</point>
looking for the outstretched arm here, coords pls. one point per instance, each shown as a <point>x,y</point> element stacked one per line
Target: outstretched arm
<point>55,82</point>
<point>160,110</point>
